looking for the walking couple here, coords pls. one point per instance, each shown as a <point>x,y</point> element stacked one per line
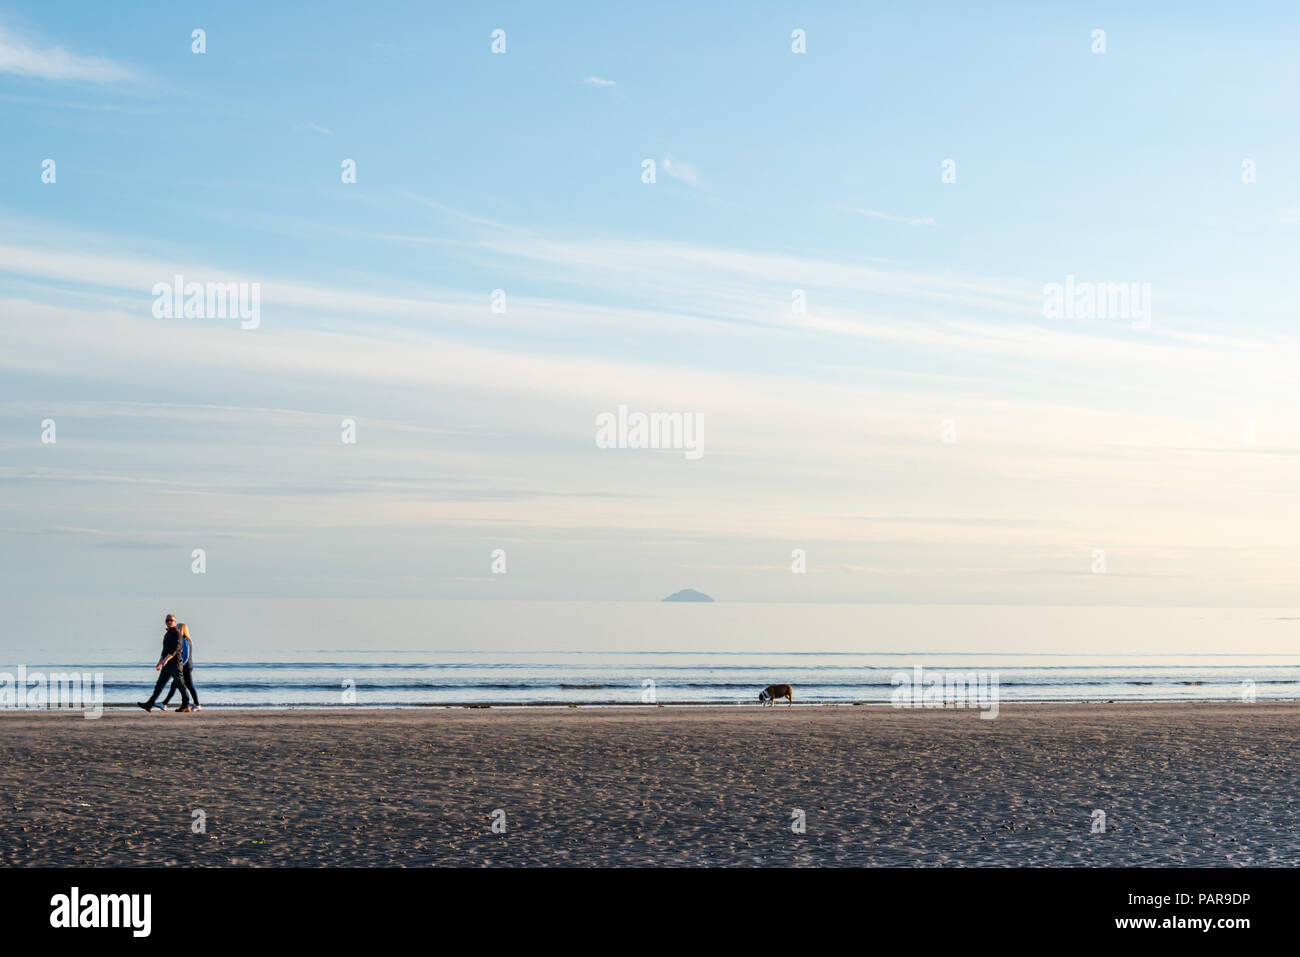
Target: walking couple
<point>177,666</point>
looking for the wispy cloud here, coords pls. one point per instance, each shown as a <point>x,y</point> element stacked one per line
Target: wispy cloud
<point>598,81</point>
<point>312,128</point>
<point>680,170</point>
<point>990,510</point>
<point>449,211</point>
<point>21,56</point>
<point>892,218</point>
<point>76,105</point>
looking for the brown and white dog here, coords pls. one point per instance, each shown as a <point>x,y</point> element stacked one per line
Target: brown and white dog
<point>769,694</point>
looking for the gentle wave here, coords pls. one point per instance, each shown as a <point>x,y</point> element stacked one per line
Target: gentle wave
<point>636,686</point>
<point>696,677</point>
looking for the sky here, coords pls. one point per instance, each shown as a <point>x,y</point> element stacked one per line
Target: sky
<point>924,430</point>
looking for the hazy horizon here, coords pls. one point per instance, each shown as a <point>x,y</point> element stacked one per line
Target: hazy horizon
<point>83,631</point>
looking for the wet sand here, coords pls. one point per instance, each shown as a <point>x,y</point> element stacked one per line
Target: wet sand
<point>1180,784</point>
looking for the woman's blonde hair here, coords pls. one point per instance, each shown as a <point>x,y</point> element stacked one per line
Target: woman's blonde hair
<point>185,630</point>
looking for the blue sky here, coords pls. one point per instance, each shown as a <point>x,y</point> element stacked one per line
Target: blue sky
<point>776,172</point>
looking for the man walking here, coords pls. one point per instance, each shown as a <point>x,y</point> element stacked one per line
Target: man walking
<point>170,668</point>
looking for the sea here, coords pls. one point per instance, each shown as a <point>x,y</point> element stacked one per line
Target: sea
<point>304,653</point>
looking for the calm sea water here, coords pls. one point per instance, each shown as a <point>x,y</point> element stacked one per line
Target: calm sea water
<point>566,677</point>
<point>381,654</point>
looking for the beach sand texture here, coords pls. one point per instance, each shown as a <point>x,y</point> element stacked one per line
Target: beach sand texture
<point>1180,784</point>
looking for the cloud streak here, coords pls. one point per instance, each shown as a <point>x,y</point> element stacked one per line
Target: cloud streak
<point>20,56</point>
<point>678,169</point>
<point>891,218</point>
<point>1070,436</point>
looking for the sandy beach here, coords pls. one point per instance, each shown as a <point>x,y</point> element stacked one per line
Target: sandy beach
<point>1180,784</point>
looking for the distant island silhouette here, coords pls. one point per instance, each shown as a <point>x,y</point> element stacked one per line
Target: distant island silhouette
<point>688,594</point>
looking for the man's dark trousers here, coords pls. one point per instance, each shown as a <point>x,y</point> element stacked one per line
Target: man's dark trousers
<point>169,671</point>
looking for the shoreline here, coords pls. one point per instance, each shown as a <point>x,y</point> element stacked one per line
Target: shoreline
<point>127,706</point>
<point>1180,783</point>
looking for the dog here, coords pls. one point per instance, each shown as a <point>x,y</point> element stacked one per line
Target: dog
<point>769,694</point>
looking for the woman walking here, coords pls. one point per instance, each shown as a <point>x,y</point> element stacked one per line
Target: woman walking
<point>187,672</point>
